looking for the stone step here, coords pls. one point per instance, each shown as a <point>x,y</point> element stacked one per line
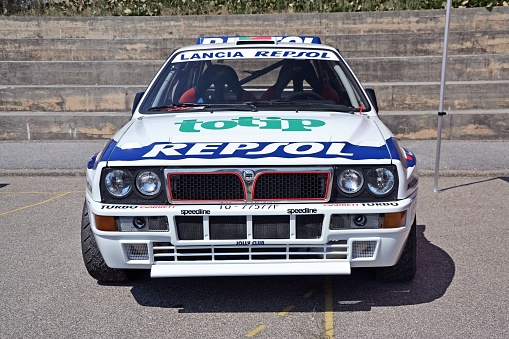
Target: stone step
<point>486,67</point>
<point>76,73</point>
<point>68,99</point>
<point>420,44</point>
<point>420,125</point>
<point>396,96</point>
<point>459,95</point>
<point>473,19</point>
<point>351,46</point>
<point>88,49</point>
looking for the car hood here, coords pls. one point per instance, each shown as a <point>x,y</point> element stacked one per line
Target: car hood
<point>242,138</point>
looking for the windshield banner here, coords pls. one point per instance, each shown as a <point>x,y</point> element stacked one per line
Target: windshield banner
<point>258,53</point>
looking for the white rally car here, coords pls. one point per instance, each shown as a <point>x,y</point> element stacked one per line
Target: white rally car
<point>252,156</point>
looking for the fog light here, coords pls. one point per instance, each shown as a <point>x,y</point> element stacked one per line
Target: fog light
<point>139,222</point>
<point>355,221</point>
<point>142,224</point>
<point>360,220</point>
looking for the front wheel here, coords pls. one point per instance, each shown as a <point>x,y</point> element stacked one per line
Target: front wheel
<point>94,262</point>
<point>405,268</point>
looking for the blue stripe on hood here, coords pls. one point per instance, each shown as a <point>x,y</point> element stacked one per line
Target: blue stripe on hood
<point>251,150</point>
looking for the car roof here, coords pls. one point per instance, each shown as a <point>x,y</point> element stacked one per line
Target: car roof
<point>205,43</point>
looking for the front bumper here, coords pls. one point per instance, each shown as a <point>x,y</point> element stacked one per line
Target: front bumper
<point>333,252</point>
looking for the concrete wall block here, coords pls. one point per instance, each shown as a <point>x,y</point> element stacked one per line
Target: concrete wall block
<point>88,49</point>
<point>420,44</point>
<point>351,46</point>
<point>458,96</point>
<point>428,69</point>
<point>75,73</point>
<point>478,19</point>
<point>44,126</point>
<point>461,126</point>
<point>64,99</point>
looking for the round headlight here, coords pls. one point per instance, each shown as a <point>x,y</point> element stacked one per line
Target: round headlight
<point>350,181</point>
<point>148,183</point>
<point>119,183</point>
<point>380,181</point>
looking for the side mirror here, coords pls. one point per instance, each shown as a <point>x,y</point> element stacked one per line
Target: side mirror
<point>372,98</point>
<point>136,101</point>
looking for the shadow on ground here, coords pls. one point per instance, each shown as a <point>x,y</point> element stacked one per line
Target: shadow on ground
<point>506,179</point>
<point>357,292</point>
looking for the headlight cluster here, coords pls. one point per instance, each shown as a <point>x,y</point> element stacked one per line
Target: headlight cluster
<point>380,181</point>
<point>121,183</point>
<point>377,181</point>
<point>148,183</point>
<point>350,181</point>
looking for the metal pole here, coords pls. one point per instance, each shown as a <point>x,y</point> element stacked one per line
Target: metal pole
<point>441,112</point>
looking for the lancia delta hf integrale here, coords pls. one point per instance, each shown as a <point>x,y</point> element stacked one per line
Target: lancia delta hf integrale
<point>252,156</point>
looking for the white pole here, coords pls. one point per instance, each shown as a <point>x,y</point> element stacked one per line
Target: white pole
<point>442,91</point>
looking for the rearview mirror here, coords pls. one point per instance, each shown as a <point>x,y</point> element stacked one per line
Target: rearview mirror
<point>372,97</point>
<point>136,101</point>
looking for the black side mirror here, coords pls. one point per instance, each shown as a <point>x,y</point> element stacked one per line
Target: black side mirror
<point>136,101</point>
<point>372,98</point>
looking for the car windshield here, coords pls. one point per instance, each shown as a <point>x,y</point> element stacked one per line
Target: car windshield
<point>252,79</point>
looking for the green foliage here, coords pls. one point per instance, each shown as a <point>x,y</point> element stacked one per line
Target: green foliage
<point>201,7</point>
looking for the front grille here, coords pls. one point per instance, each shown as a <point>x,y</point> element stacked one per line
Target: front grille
<point>309,226</point>
<point>235,185</point>
<point>166,252</point>
<point>271,227</point>
<point>189,228</point>
<point>290,186</point>
<point>206,186</point>
<point>228,228</point>
<point>236,227</point>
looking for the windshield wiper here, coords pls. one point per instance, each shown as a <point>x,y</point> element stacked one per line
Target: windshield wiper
<point>245,106</point>
<point>335,107</point>
<point>215,107</point>
<point>176,107</point>
<point>307,104</point>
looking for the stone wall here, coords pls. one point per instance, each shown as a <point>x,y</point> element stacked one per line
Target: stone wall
<point>57,73</point>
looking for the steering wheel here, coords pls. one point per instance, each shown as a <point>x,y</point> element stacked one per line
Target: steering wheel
<point>305,95</point>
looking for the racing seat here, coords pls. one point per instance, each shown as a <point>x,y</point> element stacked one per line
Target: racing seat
<point>297,71</point>
<point>226,87</point>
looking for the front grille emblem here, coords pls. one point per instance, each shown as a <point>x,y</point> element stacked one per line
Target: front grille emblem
<point>248,176</point>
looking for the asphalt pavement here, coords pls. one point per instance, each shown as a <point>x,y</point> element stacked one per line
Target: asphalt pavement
<point>457,157</point>
<point>460,290</point>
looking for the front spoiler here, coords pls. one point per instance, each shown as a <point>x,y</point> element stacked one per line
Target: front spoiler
<point>234,269</point>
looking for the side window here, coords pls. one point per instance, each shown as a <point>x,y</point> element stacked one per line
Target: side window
<point>350,90</point>
<point>175,80</point>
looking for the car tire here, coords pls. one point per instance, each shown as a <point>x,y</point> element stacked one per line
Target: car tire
<point>94,262</point>
<point>405,268</point>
